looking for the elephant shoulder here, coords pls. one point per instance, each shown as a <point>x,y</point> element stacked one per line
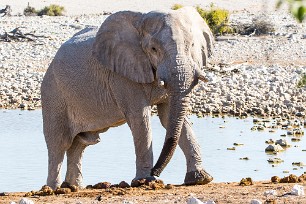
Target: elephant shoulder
<point>83,35</point>
<point>78,47</point>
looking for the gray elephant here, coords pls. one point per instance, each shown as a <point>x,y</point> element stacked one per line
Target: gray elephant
<point>103,78</point>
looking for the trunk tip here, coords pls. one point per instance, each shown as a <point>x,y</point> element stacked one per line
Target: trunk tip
<point>155,172</point>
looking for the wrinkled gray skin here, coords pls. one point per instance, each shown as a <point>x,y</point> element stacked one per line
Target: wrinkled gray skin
<point>104,78</point>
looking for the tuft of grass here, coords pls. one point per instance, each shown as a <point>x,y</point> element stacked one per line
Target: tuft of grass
<point>52,10</point>
<point>176,6</point>
<point>302,81</point>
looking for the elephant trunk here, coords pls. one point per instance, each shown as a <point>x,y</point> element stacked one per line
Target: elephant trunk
<point>178,108</point>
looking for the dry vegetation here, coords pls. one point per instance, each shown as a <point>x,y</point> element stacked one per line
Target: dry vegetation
<point>52,10</point>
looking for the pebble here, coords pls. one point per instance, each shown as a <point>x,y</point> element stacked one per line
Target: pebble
<point>231,148</point>
<point>25,201</point>
<point>255,201</point>
<point>194,200</point>
<point>275,160</point>
<point>298,190</point>
<point>282,143</point>
<point>297,164</point>
<point>274,148</point>
<point>270,193</point>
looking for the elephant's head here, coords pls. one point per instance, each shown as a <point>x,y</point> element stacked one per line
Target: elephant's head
<point>164,48</point>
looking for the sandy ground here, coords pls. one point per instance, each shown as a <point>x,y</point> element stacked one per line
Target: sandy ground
<point>217,192</point>
<point>77,7</point>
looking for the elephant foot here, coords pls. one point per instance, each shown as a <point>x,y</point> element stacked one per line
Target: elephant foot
<point>197,178</point>
<point>73,188</point>
<point>54,185</point>
<point>143,181</point>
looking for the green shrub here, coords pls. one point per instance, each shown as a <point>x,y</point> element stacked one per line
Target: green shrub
<point>52,10</point>
<point>217,19</point>
<point>176,6</point>
<point>302,81</point>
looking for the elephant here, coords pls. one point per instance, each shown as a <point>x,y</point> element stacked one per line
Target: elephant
<point>105,77</point>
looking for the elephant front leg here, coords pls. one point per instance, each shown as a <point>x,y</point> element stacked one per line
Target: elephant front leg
<point>190,147</point>
<point>140,124</point>
<point>195,172</point>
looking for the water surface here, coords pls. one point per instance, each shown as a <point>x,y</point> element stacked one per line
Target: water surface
<point>23,152</point>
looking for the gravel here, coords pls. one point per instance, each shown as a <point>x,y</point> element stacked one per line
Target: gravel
<point>247,74</point>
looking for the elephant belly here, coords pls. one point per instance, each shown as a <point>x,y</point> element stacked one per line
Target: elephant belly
<point>94,117</point>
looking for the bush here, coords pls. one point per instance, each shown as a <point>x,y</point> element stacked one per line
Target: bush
<point>262,26</point>
<point>259,26</point>
<point>302,81</point>
<point>30,11</point>
<point>52,10</point>
<point>217,19</point>
<point>176,6</point>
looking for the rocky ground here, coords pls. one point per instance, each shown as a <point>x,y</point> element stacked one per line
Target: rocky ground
<point>257,74</point>
<point>248,74</point>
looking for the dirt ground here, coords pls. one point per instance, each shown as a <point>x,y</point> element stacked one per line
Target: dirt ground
<point>217,192</point>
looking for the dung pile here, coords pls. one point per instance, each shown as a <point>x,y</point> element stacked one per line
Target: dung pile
<point>289,179</point>
<point>246,182</point>
<point>46,190</point>
<point>148,184</point>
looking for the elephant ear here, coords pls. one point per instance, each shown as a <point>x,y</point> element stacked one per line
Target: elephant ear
<point>117,47</point>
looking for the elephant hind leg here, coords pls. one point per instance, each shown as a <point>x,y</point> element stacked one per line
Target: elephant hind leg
<point>55,161</point>
<point>74,156</point>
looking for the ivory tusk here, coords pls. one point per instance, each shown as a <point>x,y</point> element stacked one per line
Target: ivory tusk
<point>202,78</point>
<point>161,83</point>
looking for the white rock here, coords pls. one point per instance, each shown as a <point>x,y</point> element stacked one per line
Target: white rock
<point>270,192</point>
<point>297,190</point>
<point>210,202</point>
<point>25,201</point>
<point>255,201</point>
<point>194,200</point>
<point>127,202</point>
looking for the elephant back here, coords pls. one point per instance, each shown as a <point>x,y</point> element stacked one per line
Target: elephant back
<point>79,46</point>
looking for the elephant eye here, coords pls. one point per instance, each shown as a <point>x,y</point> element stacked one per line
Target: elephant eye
<point>154,49</point>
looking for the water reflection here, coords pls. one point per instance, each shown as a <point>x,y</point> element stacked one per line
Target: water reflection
<point>23,160</point>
